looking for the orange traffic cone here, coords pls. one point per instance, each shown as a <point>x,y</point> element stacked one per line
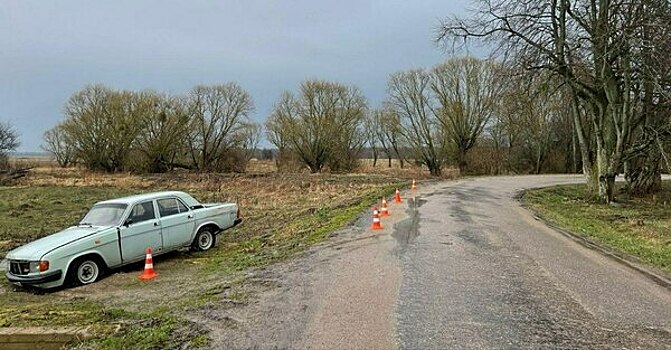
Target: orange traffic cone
<point>384,211</point>
<point>414,187</point>
<point>148,272</point>
<point>397,199</point>
<point>376,220</point>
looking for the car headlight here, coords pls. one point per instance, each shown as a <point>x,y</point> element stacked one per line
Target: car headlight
<point>39,266</point>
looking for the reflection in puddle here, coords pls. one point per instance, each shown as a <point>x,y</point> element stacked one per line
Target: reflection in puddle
<point>406,231</point>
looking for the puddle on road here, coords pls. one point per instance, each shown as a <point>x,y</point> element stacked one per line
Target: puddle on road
<point>407,230</point>
<point>364,221</point>
<point>415,203</point>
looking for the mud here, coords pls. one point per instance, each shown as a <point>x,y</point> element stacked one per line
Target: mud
<point>339,292</point>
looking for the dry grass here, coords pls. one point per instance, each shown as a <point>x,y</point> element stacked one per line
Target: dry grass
<point>640,227</point>
<point>409,171</point>
<point>260,195</point>
<point>283,214</point>
<point>32,162</point>
<point>261,166</point>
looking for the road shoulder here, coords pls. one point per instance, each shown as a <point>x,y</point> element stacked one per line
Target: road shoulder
<point>660,277</point>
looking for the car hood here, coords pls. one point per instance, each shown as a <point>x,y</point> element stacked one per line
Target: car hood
<point>36,249</point>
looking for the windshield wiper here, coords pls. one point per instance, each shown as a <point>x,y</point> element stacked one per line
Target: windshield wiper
<point>85,224</point>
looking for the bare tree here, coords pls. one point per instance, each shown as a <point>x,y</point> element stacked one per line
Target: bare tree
<point>535,112</point>
<point>217,114</point>
<point>467,90</point>
<point>163,139</point>
<point>442,112</point>
<point>594,46</point>
<point>321,126</point>
<point>391,134</point>
<point>57,143</point>
<point>418,119</point>
<point>371,129</point>
<point>387,132</point>
<point>102,125</point>
<point>277,129</point>
<point>248,138</point>
<point>9,141</point>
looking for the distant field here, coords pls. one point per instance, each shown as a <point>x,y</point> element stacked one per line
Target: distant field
<point>283,214</point>
<point>32,160</point>
<point>638,227</point>
<point>409,170</point>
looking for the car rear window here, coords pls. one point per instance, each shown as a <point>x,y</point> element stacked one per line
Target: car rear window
<point>170,206</point>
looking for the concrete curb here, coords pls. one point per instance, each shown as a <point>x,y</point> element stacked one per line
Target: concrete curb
<point>625,259</point>
<point>40,337</point>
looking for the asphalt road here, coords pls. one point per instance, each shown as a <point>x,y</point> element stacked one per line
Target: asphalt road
<point>463,266</point>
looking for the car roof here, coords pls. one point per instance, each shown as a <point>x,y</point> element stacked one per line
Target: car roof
<point>144,197</point>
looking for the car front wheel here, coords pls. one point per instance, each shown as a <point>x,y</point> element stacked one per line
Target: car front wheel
<point>205,239</point>
<point>84,271</point>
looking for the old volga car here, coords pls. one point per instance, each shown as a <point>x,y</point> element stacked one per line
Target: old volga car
<point>117,232</point>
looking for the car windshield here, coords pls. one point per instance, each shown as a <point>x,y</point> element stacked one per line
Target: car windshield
<point>104,215</point>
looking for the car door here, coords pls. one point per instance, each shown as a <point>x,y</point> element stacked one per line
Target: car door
<point>177,222</point>
<point>141,230</point>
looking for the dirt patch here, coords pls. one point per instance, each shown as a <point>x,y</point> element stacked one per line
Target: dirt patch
<point>342,291</point>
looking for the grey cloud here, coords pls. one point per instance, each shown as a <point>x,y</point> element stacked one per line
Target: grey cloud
<point>52,48</point>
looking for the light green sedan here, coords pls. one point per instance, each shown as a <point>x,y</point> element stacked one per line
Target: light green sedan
<point>117,232</point>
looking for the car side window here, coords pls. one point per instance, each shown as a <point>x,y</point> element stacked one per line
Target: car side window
<point>142,212</point>
<point>167,207</point>
<point>182,208</point>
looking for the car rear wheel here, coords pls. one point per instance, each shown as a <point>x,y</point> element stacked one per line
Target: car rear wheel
<point>85,271</point>
<point>205,239</point>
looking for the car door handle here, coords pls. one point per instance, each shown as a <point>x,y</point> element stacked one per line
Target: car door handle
<point>156,224</point>
<point>190,217</point>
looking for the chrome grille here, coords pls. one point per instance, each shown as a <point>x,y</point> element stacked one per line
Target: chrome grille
<point>19,268</point>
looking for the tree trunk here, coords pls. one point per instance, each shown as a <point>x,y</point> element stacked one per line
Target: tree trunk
<point>435,167</point>
<point>607,188</point>
<point>374,157</point>
<point>574,154</point>
<point>435,170</point>
<point>645,182</point>
<point>645,178</point>
<point>398,154</point>
<point>539,161</point>
<point>461,161</point>
<point>607,173</point>
<point>315,167</point>
<point>589,169</point>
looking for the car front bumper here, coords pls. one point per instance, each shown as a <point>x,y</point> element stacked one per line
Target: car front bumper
<point>33,280</point>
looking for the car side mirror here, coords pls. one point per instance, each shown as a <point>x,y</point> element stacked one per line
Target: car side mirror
<point>128,222</point>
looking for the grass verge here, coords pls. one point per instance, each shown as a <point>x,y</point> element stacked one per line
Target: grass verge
<point>639,227</point>
<point>283,215</point>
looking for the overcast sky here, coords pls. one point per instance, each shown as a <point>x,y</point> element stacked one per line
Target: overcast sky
<point>50,49</point>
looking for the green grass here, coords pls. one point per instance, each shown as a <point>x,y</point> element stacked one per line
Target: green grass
<point>294,237</point>
<point>637,227</point>
<point>282,217</point>
<point>33,212</point>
